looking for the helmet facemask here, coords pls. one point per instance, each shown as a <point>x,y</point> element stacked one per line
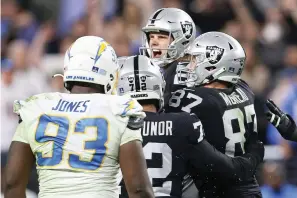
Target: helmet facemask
<point>197,70</point>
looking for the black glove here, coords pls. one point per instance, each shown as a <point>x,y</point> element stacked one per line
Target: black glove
<point>284,123</point>
<point>254,146</point>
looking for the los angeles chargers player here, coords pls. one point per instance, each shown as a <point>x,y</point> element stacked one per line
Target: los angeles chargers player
<point>79,140</point>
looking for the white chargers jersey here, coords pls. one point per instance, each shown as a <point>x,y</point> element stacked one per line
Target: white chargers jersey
<point>76,139</point>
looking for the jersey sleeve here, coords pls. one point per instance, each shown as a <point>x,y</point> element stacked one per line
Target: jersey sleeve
<point>193,127</point>
<point>205,159</point>
<point>199,101</point>
<point>131,135</point>
<point>127,107</point>
<point>20,134</point>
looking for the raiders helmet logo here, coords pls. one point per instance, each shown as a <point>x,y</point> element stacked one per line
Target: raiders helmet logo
<point>143,78</point>
<point>187,28</point>
<point>214,54</point>
<point>130,79</point>
<point>111,77</point>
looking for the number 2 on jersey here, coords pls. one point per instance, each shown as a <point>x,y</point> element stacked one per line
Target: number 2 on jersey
<point>60,132</point>
<point>159,173</point>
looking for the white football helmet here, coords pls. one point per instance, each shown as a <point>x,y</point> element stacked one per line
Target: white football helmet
<point>92,60</point>
<point>213,56</point>
<point>141,79</point>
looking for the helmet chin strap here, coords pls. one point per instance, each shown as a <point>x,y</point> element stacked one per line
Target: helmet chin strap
<point>213,76</point>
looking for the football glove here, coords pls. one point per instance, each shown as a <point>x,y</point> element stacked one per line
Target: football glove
<point>284,123</point>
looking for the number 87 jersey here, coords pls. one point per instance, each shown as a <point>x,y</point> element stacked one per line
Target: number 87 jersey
<point>228,115</point>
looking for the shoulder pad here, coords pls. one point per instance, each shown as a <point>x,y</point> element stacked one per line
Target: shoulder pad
<point>135,123</point>
<point>128,107</point>
<point>195,125</point>
<point>17,105</point>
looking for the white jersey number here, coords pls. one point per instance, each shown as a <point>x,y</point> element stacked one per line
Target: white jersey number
<point>175,100</point>
<point>237,136</point>
<point>164,171</point>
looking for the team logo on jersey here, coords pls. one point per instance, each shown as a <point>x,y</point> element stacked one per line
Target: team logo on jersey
<point>214,54</point>
<point>129,105</point>
<point>187,28</point>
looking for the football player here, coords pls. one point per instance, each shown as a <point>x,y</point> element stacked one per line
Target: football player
<point>79,140</point>
<point>174,143</point>
<point>284,123</point>
<point>168,32</point>
<point>223,102</point>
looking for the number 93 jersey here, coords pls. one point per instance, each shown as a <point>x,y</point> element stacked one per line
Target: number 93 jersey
<point>76,139</point>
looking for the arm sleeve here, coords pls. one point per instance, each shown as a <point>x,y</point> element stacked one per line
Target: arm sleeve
<point>204,157</point>
<point>207,159</point>
<point>20,134</point>
<point>131,135</point>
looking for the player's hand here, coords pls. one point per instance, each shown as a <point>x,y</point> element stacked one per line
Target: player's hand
<point>255,147</point>
<point>283,122</point>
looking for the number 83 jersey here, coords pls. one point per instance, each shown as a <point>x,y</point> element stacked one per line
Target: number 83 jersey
<point>76,139</point>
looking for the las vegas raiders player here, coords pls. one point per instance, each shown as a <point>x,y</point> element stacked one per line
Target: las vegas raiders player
<point>283,122</point>
<point>223,102</point>
<point>168,32</point>
<point>173,143</point>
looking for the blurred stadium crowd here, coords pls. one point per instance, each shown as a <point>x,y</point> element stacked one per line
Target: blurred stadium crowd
<point>36,33</point>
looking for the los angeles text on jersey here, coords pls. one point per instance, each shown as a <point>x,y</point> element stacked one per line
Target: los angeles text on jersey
<point>161,128</point>
<point>235,98</point>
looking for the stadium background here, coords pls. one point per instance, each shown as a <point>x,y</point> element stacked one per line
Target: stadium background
<point>36,33</point>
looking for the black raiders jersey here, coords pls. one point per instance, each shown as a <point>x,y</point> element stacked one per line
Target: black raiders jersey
<point>172,80</point>
<point>228,117</point>
<point>174,146</point>
<point>165,140</point>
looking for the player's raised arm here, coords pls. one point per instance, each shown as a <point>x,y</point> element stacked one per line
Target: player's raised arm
<point>281,121</point>
<point>19,165</point>
<point>206,158</point>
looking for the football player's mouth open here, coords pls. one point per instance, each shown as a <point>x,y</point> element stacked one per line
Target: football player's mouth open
<point>157,53</point>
